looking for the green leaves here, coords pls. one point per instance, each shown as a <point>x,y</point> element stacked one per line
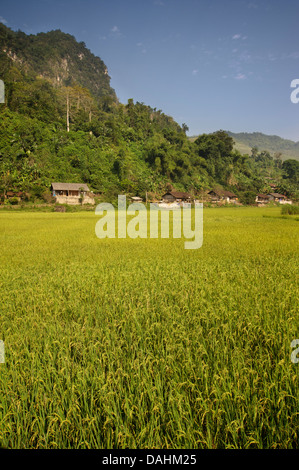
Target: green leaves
<point>64,120</point>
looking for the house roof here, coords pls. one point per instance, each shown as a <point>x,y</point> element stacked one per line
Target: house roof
<point>277,195</point>
<point>69,186</point>
<point>265,196</point>
<point>14,193</point>
<point>222,193</point>
<point>178,194</point>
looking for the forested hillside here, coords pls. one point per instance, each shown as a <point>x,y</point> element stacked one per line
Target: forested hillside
<point>245,141</point>
<point>62,121</point>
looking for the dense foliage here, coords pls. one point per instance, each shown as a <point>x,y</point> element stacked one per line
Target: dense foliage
<point>62,122</point>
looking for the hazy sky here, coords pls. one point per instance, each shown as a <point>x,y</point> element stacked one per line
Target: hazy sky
<point>212,64</point>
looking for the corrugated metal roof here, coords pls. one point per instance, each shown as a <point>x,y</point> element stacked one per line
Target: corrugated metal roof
<point>69,186</point>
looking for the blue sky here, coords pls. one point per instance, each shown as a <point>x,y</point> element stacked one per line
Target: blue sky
<point>212,64</point>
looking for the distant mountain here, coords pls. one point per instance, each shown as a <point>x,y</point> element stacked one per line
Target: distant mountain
<point>55,56</point>
<point>272,143</point>
<point>245,141</point>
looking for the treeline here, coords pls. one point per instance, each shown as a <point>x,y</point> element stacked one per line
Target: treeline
<point>69,132</point>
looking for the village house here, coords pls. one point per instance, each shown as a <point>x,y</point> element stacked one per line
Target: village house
<point>176,196</point>
<point>15,196</point>
<point>72,193</point>
<point>262,199</point>
<point>223,196</point>
<point>136,199</point>
<point>276,197</point>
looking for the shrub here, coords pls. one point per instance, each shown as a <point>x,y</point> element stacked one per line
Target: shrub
<point>13,201</point>
<point>47,197</point>
<point>290,209</point>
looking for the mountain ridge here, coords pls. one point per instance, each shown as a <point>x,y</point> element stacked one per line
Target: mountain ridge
<point>56,57</point>
<point>274,144</point>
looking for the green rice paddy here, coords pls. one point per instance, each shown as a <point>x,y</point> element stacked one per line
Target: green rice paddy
<point>123,343</point>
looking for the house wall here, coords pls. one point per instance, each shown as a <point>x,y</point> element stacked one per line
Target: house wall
<point>73,200</point>
<point>169,198</point>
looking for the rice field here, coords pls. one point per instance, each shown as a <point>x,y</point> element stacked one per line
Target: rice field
<point>141,344</point>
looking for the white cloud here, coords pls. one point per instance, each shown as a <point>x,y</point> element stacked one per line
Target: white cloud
<point>194,72</point>
<point>141,47</point>
<point>240,76</point>
<point>3,20</point>
<point>293,55</point>
<point>115,32</point>
<point>239,36</point>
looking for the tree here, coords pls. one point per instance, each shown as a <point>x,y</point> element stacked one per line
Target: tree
<point>291,170</point>
<point>185,128</point>
<point>247,197</point>
<point>278,159</point>
<point>254,152</point>
<point>5,181</point>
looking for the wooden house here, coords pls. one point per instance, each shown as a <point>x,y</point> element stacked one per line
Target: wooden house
<point>222,196</point>
<point>176,196</point>
<point>136,199</point>
<point>72,193</point>
<point>262,198</point>
<point>276,197</point>
<point>17,195</point>
<point>281,198</point>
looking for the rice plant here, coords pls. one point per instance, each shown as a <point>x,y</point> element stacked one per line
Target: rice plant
<point>122,343</point>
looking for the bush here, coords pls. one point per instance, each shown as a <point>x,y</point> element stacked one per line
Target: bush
<point>13,201</point>
<point>290,209</point>
<point>47,197</point>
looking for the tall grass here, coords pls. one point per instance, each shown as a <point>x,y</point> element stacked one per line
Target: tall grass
<point>142,344</point>
<point>290,209</point>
